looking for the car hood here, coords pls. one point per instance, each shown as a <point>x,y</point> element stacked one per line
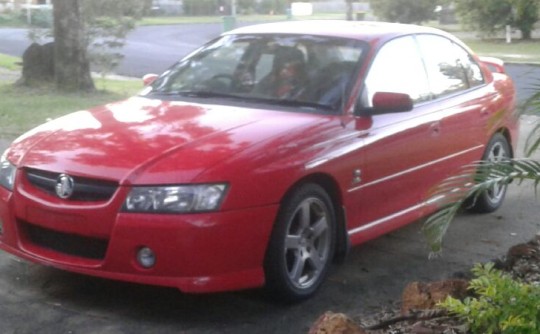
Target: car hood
<point>123,141</point>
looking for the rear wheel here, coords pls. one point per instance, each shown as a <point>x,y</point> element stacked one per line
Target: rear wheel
<point>497,150</point>
<point>302,244</point>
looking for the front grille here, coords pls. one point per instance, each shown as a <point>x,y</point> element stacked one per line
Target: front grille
<point>85,189</point>
<point>70,244</point>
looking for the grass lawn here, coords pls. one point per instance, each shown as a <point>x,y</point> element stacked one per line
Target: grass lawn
<point>10,20</point>
<point>166,20</point>
<point>13,21</point>
<point>10,62</point>
<point>517,52</point>
<point>23,108</point>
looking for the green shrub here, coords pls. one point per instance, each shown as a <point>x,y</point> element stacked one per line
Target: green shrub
<point>201,7</point>
<point>8,18</point>
<point>41,18</point>
<point>404,11</point>
<point>246,7</point>
<point>502,304</point>
<point>272,7</point>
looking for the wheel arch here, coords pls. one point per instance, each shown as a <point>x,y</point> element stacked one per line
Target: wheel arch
<point>332,188</point>
<point>508,135</point>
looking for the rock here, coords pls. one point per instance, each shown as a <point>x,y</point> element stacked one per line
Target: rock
<point>522,251</point>
<point>335,323</point>
<point>417,295</point>
<point>420,328</point>
<point>38,64</point>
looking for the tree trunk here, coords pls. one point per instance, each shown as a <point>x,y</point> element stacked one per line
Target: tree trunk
<point>349,10</point>
<point>72,66</point>
<point>526,34</point>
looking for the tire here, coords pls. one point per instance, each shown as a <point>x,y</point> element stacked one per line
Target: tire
<point>498,149</point>
<point>302,244</point>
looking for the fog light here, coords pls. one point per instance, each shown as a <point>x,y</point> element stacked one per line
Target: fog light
<point>146,257</point>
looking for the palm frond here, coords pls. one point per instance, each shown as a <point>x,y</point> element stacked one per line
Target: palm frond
<point>533,140</point>
<point>532,107</point>
<point>472,181</point>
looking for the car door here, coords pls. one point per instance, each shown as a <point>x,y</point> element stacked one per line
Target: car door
<point>400,148</point>
<point>462,100</point>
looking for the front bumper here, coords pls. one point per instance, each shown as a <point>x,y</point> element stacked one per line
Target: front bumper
<point>207,252</point>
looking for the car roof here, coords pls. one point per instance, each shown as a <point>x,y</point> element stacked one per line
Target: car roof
<point>362,30</point>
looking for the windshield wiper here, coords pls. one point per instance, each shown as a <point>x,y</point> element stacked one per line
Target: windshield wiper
<point>244,98</point>
<point>196,93</point>
<point>290,103</point>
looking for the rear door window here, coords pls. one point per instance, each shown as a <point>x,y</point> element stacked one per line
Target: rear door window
<point>450,68</point>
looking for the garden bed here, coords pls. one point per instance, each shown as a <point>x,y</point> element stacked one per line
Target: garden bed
<point>417,312</point>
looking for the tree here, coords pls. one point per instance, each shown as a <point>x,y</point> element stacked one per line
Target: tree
<point>72,66</point>
<point>486,17</point>
<point>86,32</point>
<point>349,10</point>
<point>404,11</point>
<point>525,15</point>
<point>107,24</point>
<point>202,7</point>
<point>490,16</point>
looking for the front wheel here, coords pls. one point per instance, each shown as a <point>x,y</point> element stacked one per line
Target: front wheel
<point>497,150</point>
<point>302,244</point>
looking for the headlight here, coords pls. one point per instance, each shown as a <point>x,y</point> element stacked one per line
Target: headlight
<point>175,199</point>
<point>7,173</point>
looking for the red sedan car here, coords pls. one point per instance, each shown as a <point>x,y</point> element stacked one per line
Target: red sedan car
<point>259,158</point>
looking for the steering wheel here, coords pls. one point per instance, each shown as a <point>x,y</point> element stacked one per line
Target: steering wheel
<point>219,82</point>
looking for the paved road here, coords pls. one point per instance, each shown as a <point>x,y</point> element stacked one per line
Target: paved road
<point>37,299</point>
<point>153,49</point>
<point>149,49</point>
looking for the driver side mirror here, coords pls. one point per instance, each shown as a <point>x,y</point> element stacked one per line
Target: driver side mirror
<point>389,102</point>
<point>148,79</point>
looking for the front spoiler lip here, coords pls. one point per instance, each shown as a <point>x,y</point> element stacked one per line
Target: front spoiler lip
<point>246,279</point>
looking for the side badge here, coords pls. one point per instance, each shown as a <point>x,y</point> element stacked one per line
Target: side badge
<point>357,176</point>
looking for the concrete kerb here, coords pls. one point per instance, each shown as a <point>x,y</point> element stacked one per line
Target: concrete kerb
<point>9,75</point>
<point>12,76</point>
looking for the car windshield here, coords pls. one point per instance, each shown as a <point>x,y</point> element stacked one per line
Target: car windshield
<point>290,70</point>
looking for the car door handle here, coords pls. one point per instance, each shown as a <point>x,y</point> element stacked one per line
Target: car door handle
<point>435,129</point>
